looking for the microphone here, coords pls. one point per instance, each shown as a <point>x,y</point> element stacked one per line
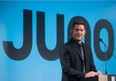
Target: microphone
<point>100,39</point>
<point>105,54</point>
<point>104,44</point>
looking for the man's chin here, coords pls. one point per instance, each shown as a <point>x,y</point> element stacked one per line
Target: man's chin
<point>78,39</point>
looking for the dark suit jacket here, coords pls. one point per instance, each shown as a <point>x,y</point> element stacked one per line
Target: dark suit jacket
<point>71,61</point>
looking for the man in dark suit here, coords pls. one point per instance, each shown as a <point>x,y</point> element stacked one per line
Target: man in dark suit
<point>76,57</point>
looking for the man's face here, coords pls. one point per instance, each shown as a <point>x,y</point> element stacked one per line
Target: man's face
<point>78,32</point>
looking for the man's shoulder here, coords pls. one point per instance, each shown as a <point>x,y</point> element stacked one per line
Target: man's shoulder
<point>66,44</point>
<point>86,46</point>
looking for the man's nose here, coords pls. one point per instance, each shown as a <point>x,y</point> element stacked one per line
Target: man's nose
<point>79,31</point>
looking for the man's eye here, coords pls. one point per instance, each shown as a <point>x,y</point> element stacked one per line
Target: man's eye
<point>82,30</point>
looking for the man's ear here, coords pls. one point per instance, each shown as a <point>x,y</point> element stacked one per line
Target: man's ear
<point>71,31</point>
<point>85,31</point>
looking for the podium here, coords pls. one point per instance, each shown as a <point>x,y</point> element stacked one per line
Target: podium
<point>101,78</point>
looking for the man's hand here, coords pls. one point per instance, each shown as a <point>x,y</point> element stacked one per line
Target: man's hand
<point>92,74</point>
<point>99,72</point>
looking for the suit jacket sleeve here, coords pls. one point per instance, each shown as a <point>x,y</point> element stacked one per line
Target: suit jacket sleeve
<point>65,63</point>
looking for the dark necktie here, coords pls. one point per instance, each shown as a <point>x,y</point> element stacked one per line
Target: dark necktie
<point>82,53</point>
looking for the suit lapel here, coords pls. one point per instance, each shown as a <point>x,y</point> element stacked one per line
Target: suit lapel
<point>76,48</point>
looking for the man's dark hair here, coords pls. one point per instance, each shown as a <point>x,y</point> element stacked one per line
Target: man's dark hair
<point>78,22</point>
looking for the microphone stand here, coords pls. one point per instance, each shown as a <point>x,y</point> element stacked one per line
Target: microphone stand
<point>106,54</point>
<point>106,61</point>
